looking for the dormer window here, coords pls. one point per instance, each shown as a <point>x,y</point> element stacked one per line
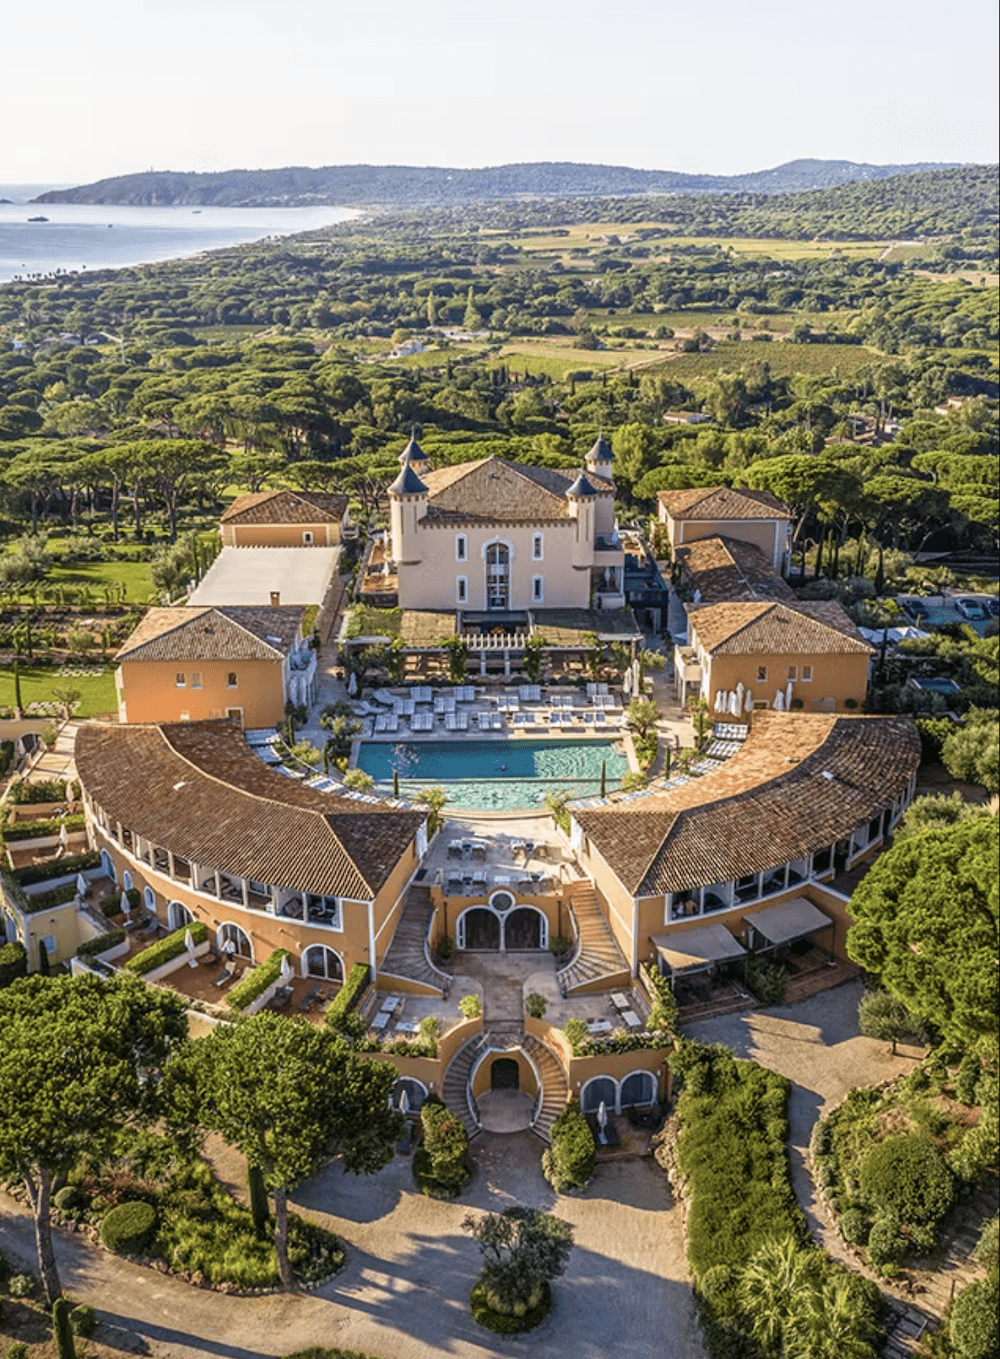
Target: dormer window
<point>461,547</point>
<point>537,547</point>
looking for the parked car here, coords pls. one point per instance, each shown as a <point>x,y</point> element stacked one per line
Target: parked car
<point>974,609</point>
<point>993,608</point>
<point>918,610</point>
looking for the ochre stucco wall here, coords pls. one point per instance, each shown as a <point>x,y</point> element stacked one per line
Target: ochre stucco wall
<point>279,535</point>
<point>151,693</point>
<point>837,677</point>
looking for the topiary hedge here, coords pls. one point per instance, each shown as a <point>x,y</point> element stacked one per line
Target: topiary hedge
<point>348,995</point>
<point>256,982</point>
<point>509,1323</point>
<point>58,896</point>
<point>973,1328</point>
<point>164,949</point>
<point>568,1163</point>
<point>36,830</point>
<point>907,1175</point>
<point>57,868</point>
<point>92,947</point>
<point>439,1163</point>
<point>128,1228</point>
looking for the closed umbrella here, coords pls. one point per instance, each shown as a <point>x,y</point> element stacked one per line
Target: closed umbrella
<point>779,701</point>
<point>352,684</point>
<point>739,697</point>
<point>748,702</point>
<point>788,695</point>
<point>126,905</point>
<point>81,885</point>
<point>720,701</point>
<point>602,1119</point>
<point>404,1102</point>
<point>734,704</point>
<point>286,970</point>
<point>63,834</point>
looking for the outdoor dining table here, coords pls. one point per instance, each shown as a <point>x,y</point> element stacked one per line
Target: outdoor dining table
<point>392,1003</point>
<point>381,1020</point>
<point>407,1026</point>
<point>599,1026</point>
<point>632,1019</point>
<point>620,1001</point>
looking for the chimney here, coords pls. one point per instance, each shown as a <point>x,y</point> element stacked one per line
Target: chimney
<point>275,599</point>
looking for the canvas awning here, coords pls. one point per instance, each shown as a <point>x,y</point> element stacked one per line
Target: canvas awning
<point>791,920</point>
<point>697,949</point>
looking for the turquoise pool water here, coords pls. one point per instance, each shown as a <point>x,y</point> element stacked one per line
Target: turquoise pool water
<point>495,776</point>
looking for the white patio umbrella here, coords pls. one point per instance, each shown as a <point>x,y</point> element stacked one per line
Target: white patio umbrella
<point>779,701</point>
<point>81,885</point>
<point>126,905</point>
<point>404,1102</point>
<point>739,697</point>
<point>788,695</point>
<point>189,941</point>
<point>720,701</point>
<point>287,971</point>
<point>734,704</point>
<point>748,702</point>
<point>63,834</point>
<point>602,1119</point>
<point>627,683</point>
<point>352,684</point>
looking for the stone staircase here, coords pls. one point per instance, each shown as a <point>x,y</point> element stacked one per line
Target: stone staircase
<point>406,956</point>
<point>599,964</point>
<point>456,1083</point>
<point>555,1088</point>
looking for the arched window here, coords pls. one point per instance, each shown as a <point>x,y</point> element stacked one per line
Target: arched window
<point>498,576</point>
<point>108,866</point>
<point>638,1087</point>
<point>149,897</point>
<point>320,961</point>
<point>178,915</point>
<point>234,942</point>
<point>415,1092</point>
<point>600,1090</point>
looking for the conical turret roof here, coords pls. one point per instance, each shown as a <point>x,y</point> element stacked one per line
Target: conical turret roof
<point>601,451</point>
<point>581,487</point>
<point>413,452</point>
<point>407,483</point>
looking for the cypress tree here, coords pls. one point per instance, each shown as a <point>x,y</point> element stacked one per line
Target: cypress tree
<point>62,1331</point>
<point>604,778</point>
<point>44,968</point>
<point>18,702</point>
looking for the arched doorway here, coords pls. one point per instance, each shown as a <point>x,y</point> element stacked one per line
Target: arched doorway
<point>638,1087</point>
<point>320,961</point>
<point>525,928</point>
<point>230,934</point>
<point>414,1090</point>
<point>479,928</point>
<point>108,866</point>
<point>505,1074</point>
<point>602,1089</point>
<point>178,916</point>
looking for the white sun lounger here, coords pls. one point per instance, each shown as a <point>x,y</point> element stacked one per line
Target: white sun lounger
<point>445,704</point>
<point>484,721</point>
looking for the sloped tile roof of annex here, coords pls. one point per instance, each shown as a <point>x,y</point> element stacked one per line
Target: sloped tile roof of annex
<point>801,782</point>
<point>726,569</point>
<point>722,502</point>
<point>196,789</point>
<point>493,490</point>
<point>286,507</point>
<point>774,628</point>
<point>229,632</point>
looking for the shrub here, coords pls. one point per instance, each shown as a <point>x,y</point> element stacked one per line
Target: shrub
<point>62,1331</point>
<point>13,962</point>
<point>988,1247</point>
<point>128,1228</point>
<point>57,868</point>
<point>885,1243</point>
<point>92,947</point>
<point>509,1323</point>
<point>256,981</point>
<point>536,1005</point>
<point>21,1286</point>
<point>57,896</point>
<point>164,949</point>
<point>83,1319</point>
<point>18,1350</point>
<point>973,1327</point>
<point>439,1163</point>
<point>568,1163</point>
<point>854,1227</point>
<point>37,830</point>
<point>663,1012</point>
<point>68,1198</point>
<point>907,1174</point>
<point>767,981</point>
<point>471,1006</point>
<point>348,995</point>
<point>967,1078</point>
<point>445,948</point>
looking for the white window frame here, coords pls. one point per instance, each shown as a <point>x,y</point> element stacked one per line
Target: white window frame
<point>307,538</point>
<point>180,680</point>
<point>232,680</point>
<point>461,547</point>
<point>462,590</point>
<point>762,674</point>
<point>197,679</point>
<point>538,589</point>
<point>807,674</point>
<point>538,547</point>
<point>793,673</point>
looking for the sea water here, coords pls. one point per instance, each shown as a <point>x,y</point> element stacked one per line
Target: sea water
<point>87,237</point>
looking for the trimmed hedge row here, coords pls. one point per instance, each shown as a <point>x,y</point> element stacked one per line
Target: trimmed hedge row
<point>128,1228</point>
<point>13,962</point>
<point>57,868</point>
<point>36,830</point>
<point>256,981</point>
<point>348,995</point>
<point>164,949</point>
<point>58,896</point>
<point>92,947</point>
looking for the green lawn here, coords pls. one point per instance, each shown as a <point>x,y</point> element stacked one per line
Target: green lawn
<point>97,692</point>
<point>134,576</point>
<point>785,359</point>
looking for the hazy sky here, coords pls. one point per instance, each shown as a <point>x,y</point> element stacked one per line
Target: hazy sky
<point>114,86</point>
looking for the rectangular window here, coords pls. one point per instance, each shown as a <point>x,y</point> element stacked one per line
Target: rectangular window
<point>195,679</point>
<point>180,680</point>
<point>536,547</point>
<point>461,547</point>
<point>759,705</point>
<point>537,589</point>
<point>793,672</point>
<point>462,589</point>
<point>762,674</point>
<point>307,538</point>
<point>807,674</point>
<point>231,680</point>
<point>48,942</point>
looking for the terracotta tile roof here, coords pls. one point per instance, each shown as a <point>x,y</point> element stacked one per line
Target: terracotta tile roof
<point>775,629</point>
<point>495,490</point>
<point>231,632</point>
<point>195,789</point>
<point>286,507</point>
<point>726,569</point>
<point>801,782</point>
<point>722,502</point>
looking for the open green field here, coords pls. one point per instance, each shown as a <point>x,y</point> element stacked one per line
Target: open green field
<point>785,360</point>
<point>437,358</point>
<point>97,692</point>
<point>696,317</point>
<point>556,358</point>
<point>593,236</point>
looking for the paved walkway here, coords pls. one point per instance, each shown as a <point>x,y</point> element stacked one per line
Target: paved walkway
<point>404,1291</point>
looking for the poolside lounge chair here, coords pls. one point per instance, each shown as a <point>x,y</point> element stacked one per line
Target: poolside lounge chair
<point>496,721</point>
<point>309,999</point>
<point>281,998</point>
<point>600,719</point>
<point>445,704</point>
<point>465,693</point>
<point>589,719</point>
<point>225,976</point>
<point>383,696</point>
<point>484,720</point>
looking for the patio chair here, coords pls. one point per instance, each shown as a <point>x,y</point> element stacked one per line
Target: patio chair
<point>151,928</point>
<point>309,1000</point>
<point>281,998</point>
<point>225,976</point>
<point>497,721</point>
<point>484,721</point>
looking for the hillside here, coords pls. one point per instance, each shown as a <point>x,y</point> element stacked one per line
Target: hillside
<point>417,186</point>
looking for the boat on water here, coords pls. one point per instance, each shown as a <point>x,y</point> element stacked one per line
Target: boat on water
<point>38,219</point>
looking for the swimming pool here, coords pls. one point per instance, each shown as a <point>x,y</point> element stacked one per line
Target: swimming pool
<point>495,775</point>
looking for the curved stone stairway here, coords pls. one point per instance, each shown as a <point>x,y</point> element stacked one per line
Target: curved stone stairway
<point>599,964</point>
<point>406,955</point>
<point>555,1087</point>
<point>456,1083</point>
